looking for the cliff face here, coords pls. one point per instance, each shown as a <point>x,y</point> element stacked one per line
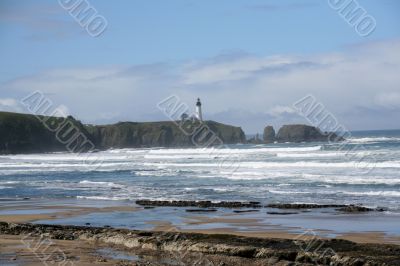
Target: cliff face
<point>304,133</point>
<point>269,134</point>
<point>298,133</point>
<point>24,133</point>
<point>164,134</point>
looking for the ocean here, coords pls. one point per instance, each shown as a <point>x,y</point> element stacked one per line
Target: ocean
<point>363,170</point>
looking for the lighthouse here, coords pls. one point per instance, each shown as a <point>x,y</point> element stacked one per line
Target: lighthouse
<point>199,115</point>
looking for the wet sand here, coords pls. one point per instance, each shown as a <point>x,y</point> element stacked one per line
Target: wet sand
<point>79,245</point>
<point>58,212</point>
<point>241,224</point>
<point>22,250</point>
<point>14,252</point>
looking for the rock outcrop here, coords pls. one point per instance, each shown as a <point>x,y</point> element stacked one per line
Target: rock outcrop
<point>25,133</point>
<point>298,133</point>
<point>304,133</point>
<point>218,249</point>
<point>269,134</point>
<point>164,134</point>
<point>200,204</point>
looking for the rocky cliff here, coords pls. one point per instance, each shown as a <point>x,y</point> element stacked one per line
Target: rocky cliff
<point>24,133</point>
<point>269,134</point>
<point>298,133</point>
<point>164,134</point>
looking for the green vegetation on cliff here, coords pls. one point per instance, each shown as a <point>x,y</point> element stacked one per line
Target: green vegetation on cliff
<point>163,134</point>
<point>25,133</point>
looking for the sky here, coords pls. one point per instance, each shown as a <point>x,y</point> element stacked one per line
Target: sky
<point>248,60</point>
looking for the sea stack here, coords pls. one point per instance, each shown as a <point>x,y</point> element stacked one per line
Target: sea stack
<point>269,134</point>
<point>304,133</point>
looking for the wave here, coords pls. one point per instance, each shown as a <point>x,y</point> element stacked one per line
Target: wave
<point>60,165</point>
<point>9,182</point>
<point>374,139</point>
<point>211,189</point>
<point>102,198</point>
<point>309,155</point>
<point>100,184</point>
<point>288,192</point>
<point>373,193</point>
<point>215,151</point>
<point>266,165</point>
<point>187,156</point>
<point>350,180</point>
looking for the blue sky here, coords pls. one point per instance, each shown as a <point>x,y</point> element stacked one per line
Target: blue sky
<point>248,60</point>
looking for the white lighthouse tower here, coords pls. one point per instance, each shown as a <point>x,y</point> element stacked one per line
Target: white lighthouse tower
<point>199,114</point>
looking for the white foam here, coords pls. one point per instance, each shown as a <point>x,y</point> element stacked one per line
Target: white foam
<point>309,155</point>
<point>287,192</point>
<point>10,182</point>
<point>374,139</point>
<point>373,193</point>
<point>266,165</point>
<point>186,156</point>
<point>102,198</point>
<point>216,151</point>
<point>99,184</point>
<point>351,180</point>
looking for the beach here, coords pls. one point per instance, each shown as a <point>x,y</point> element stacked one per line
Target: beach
<point>99,217</point>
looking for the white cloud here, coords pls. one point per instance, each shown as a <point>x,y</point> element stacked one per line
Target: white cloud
<point>389,100</point>
<point>363,77</point>
<point>10,105</point>
<point>281,110</point>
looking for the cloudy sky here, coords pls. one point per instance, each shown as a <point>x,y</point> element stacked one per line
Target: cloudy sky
<point>248,60</point>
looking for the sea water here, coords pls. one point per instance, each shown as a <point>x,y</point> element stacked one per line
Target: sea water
<point>363,170</point>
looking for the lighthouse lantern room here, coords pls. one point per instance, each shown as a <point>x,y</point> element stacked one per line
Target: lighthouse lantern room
<point>199,114</point>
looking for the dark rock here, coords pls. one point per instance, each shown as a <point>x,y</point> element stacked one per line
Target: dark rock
<point>165,134</point>
<point>201,210</point>
<point>355,208</point>
<point>304,206</point>
<point>25,133</point>
<point>226,248</point>
<point>304,133</point>
<point>244,211</point>
<point>255,140</point>
<point>381,209</point>
<point>282,213</point>
<point>269,134</point>
<point>199,204</point>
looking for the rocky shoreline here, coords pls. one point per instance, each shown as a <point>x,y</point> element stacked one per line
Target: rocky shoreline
<point>209,206</point>
<point>200,204</point>
<point>212,249</point>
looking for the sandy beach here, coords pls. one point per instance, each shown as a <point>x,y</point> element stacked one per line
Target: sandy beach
<point>83,251</point>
